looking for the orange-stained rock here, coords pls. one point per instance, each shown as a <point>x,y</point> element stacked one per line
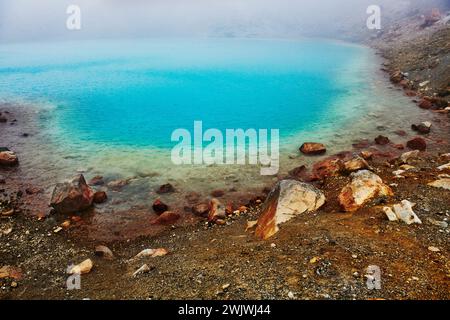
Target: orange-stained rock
<point>288,199</point>
<point>355,164</point>
<point>72,196</point>
<point>313,148</point>
<point>8,158</point>
<point>201,209</point>
<point>326,168</point>
<point>364,187</point>
<point>216,211</point>
<point>167,217</point>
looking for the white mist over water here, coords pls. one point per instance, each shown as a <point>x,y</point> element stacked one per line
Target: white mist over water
<point>24,20</point>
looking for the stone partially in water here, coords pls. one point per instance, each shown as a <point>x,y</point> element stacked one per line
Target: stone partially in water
<point>313,148</point>
<point>8,158</point>
<point>72,196</point>
<point>100,197</point>
<point>288,199</point>
<point>165,188</point>
<point>96,181</point>
<point>424,127</point>
<point>382,140</point>
<point>159,207</point>
<point>365,186</point>
<point>417,144</point>
<point>167,217</point>
<point>201,209</point>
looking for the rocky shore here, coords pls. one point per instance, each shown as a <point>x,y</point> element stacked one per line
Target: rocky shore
<point>311,235</point>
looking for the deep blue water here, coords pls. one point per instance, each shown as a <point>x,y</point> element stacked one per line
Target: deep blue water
<point>136,92</point>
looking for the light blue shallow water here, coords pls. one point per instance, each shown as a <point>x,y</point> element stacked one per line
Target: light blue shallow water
<point>136,92</point>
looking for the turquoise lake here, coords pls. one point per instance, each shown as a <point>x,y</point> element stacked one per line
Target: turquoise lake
<point>109,108</point>
<point>136,92</point>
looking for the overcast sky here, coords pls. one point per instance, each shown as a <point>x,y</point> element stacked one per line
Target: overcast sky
<point>22,20</point>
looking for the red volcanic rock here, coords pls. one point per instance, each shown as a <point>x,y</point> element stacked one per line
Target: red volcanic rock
<point>216,211</point>
<point>396,77</point>
<point>201,209</point>
<point>410,93</point>
<point>313,148</point>
<point>100,197</point>
<point>400,133</point>
<point>300,173</point>
<point>72,196</point>
<point>398,146</point>
<point>159,207</point>
<point>417,144</point>
<point>217,193</point>
<point>96,181</point>
<point>288,199</point>
<point>8,158</point>
<point>167,217</point>
<point>382,140</point>
<point>326,168</point>
<point>425,104</point>
<point>229,209</point>
<point>165,188</point>
<point>361,144</point>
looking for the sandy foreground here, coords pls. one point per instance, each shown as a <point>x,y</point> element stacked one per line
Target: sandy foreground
<point>320,255</point>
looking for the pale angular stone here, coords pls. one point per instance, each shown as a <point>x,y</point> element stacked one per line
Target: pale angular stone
<point>288,199</point>
<point>365,186</point>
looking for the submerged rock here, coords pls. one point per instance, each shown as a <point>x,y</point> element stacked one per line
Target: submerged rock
<point>165,188</point>
<point>8,158</point>
<point>100,197</point>
<point>313,148</point>
<point>425,104</point>
<point>288,199</point>
<point>382,140</point>
<point>159,207</point>
<point>72,196</point>
<point>417,144</point>
<point>96,181</point>
<point>364,187</point>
